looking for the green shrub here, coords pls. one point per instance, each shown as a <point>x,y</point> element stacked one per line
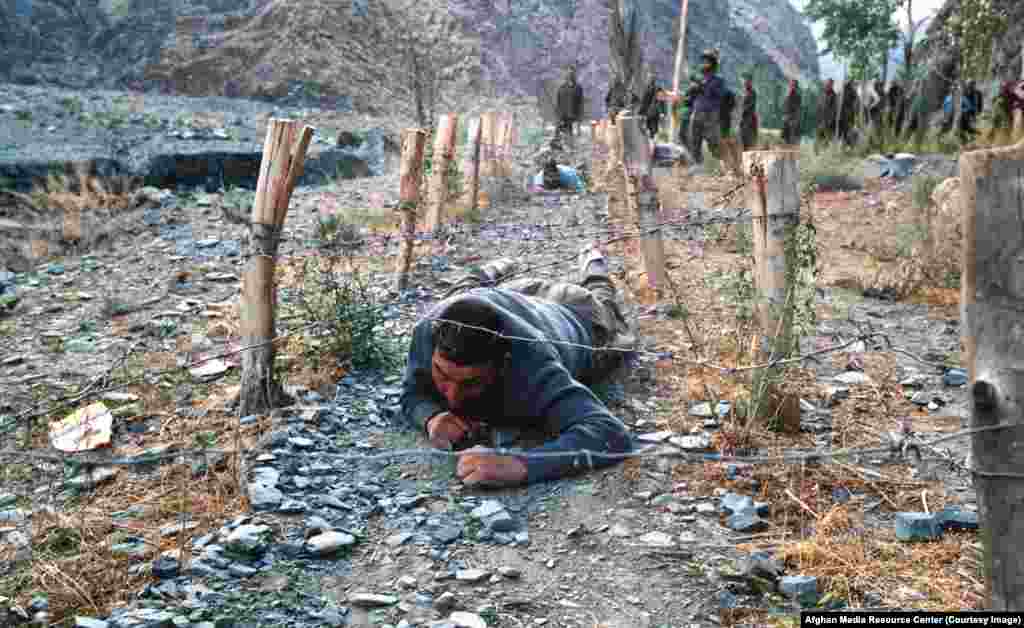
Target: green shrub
<point>922,190</point>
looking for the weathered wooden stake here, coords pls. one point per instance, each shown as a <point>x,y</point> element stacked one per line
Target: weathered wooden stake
<point>489,133</point>
<point>774,198</point>
<point>992,315</point>
<point>642,194</point>
<point>471,164</point>
<point>284,153</point>
<point>410,171</point>
<point>444,152</point>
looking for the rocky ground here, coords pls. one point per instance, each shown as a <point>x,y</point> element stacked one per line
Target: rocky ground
<point>342,525</point>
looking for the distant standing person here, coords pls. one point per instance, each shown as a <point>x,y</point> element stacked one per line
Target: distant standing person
<point>649,107</point>
<point>827,113</point>
<point>848,115</point>
<point>705,124</point>
<point>570,103</point>
<point>791,114</point>
<point>686,111</point>
<point>615,100</point>
<point>749,121</point>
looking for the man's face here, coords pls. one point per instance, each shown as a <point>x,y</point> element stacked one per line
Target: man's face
<point>708,66</point>
<point>461,385</point>
<point>748,84</point>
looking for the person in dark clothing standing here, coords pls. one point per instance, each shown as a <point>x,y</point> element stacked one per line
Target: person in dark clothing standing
<point>615,100</point>
<point>827,113</point>
<point>570,103</point>
<point>650,107</point>
<point>517,361</point>
<point>897,108</point>
<point>974,106</point>
<point>705,124</point>
<point>877,111</point>
<point>791,114</point>
<point>848,116</point>
<point>749,121</point>
<point>686,106</point>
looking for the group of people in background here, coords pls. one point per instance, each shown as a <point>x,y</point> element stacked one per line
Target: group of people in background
<point>706,109</point>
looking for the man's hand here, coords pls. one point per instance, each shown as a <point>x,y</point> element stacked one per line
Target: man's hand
<point>480,466</point>
<point>447,429</point>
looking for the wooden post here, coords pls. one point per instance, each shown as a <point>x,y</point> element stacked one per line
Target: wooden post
<point>774,198</point>
<point>410,170</point>
<point>992,315</point>
<point>614,183</point>
<point>508,141</point>
<point>599,153</point>
<point>471,165</point>
<point>488,154</point>
<point>1018,115</point>
<point>642,194</point>
<point>680,56</point>
<point>444,152</point>
<point>284,153</point>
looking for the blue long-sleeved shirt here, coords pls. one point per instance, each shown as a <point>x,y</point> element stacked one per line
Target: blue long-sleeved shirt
<point>540,387</point>
<point>710,96</point>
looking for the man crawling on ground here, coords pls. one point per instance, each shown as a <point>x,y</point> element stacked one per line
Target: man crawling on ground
<point>483,367</point>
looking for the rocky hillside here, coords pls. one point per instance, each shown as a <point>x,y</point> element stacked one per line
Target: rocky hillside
<point>343,51</point>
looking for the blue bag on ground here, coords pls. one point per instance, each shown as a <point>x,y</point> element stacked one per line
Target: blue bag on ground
<point>567,178</point>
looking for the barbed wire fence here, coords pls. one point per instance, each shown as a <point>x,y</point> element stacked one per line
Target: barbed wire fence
<point>682,225</point>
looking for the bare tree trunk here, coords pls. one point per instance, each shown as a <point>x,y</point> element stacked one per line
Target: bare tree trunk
<point>680,59</point>
<point>908,46</point>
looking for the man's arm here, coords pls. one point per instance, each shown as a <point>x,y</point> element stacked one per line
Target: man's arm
<point>418,401</point>
<point>584,423</point>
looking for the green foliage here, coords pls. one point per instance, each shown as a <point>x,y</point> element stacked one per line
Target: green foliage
<point>802,276</point>
<point>72,104</point>
<point>972,29</point>
<point>349,315</point>
<point>857,31</point>
<point>736,290</point>
<point>923,187</point>
<point>907,235</point>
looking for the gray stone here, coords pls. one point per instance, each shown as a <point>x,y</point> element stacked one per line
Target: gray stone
<point>248,539</point>
<point>489,508</point>
<point>462,619</point>
<point>445,602</point>
<point>852,378</point>
<point>657,539</point>
<point>242,571</point>
<point>371,600</point>
<point>447,534</point>
<point>301,442</point>
<point>89,622</point>
<point>329,543</point>
<point>746,521</point>
<point>166,566</point>
<point>472,575</point>
<point>264,497</point>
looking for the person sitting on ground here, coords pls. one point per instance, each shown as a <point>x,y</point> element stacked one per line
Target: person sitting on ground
<point>517,361</point>
<point>557,177</point>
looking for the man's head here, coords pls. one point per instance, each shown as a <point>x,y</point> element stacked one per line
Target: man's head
<point>748,82</point>
<point>571,74</point>
<point>972,85</point>
<point>468,352</point>
<point>830,85</point>
<point>793,84</point>
<point>709,61</point>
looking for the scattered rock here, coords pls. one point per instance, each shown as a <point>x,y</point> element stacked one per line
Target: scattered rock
<point>371,600</point>
<point>804,589</point>
<point>328,543</point>
<point>463,619</point>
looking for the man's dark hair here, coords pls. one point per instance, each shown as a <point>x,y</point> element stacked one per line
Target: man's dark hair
<point>463,343</point>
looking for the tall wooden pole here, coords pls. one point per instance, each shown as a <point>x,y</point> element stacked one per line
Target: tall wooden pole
<point>992,315</point>
<point>410,170</point>
<point>680,55</point>
<point>284,153</point>
<point>471,164</point>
